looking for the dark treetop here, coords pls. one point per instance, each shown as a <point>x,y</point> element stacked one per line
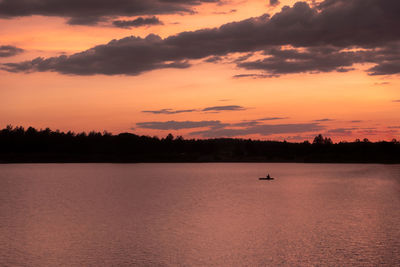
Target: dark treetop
<point>31,145</point>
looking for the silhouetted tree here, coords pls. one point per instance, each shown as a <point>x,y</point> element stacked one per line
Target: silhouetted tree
<point>31,145</point>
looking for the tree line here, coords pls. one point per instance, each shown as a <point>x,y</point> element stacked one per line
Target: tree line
<point>18,144</point>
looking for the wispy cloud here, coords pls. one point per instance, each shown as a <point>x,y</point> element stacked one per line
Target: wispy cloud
<point>169,111</point>
<point>215,109</point>
<point>264,130</point>
<point>224,108</point>
<point>178,125</point>
<point>255,76</point>
<point>342,131</point>
<point>324,120</point>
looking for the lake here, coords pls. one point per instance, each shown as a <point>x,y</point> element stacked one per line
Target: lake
<point>211,214</point>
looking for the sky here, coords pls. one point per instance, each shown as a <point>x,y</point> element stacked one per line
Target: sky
<point>270,70</point>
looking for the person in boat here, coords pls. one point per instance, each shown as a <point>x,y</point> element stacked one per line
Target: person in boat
<point>268,177</point>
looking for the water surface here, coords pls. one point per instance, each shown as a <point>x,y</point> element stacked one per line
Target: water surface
<point>199,215</point>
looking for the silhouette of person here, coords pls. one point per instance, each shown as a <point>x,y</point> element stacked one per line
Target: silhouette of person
<point>268,177</point>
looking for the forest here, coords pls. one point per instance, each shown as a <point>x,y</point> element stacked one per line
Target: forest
<point>20,145</point>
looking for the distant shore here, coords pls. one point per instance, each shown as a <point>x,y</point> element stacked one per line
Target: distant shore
<point>19,145</point>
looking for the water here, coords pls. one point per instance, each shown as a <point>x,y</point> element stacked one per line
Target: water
<point>199,215</point>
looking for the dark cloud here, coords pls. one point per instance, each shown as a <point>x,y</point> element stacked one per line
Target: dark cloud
<point>89,12</point>
<point>131,55</point>
<point>139,22</point>
<point>356,121</point>
<point>327,36</point>
<point>274,2</point>
<point>177,125</point>
<point>224,108</point>
<point>169,111</point>
<point>314,59</point>
<point>9,50</point>
<point>260,129</point>
<point>386,68</point>
<point>394,127</point>
<point>214,59</point>
<point>397,100</point>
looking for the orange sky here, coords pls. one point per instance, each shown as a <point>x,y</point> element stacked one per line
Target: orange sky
<point>344,105</point>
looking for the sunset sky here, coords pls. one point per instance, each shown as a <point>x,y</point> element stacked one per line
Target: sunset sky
<point>270,70</point>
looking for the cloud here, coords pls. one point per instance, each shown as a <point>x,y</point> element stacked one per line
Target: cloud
<point>315,59</point>
<point>316,36</point>
<point>324,120</point>
<point>356,121</point>
<point>247,123</point>
<point>89,12</point>
<point>386,68</point>
<point>272,118</point>
<point>216,128</point>
<point>139,22</point>
<point>169,111</point>
<point>255,76</point>
<point>394,127</point>
<point>342,131</point>
<point>274,2</point>
<point>225,12</point>
<point>264,130</point>
<point>213,59</point>
<point>9,50</point>
<point>224,108</point>
<point>178,125</point>
<point>397,100</point>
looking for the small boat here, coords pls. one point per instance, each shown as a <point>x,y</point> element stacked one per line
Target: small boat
<point>266,178</point>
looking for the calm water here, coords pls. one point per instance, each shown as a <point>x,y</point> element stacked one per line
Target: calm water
<point>199,215</point>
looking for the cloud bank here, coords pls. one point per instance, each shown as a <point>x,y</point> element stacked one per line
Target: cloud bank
<point>330,36</point>
<point>218,129</point>
<point>90,12</point>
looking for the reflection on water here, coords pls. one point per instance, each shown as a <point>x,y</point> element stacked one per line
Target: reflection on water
<point>199,214</point>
